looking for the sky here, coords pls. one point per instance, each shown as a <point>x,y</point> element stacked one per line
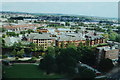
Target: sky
<point>100,9</point>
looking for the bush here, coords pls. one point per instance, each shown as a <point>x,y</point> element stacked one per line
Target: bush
<point>4,62</point>
<point>25,61</point>
<point>33,58</point>
<point>4,56</point>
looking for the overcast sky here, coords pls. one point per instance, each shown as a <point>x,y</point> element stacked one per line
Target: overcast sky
<point>101,9</point>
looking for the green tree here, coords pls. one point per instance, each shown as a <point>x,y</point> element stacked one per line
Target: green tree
<point>62,45</point>
<point>85,73</point>
<point>22,32</point>
<point>106,36</point>
<point>71,45</point>
<point>81,24</point>
<point>67,24</point>
<point>105,65</point>
<point>112,36</point>
<point>109,30</point>
<point>51,51</point>
<point>48,64</point>
<point>3,43</point>
<point>3,36</point>
<point>29,31</point>
<point>76,31</point>
<point>20,53</point>
<point>66,61</point>
<point>86,55</point>
<point>118,29</point>
<point>118,38</point>
<point>14,52</point>
<point>3,29</point>
<point>17,45</point>
<point>12,34</point>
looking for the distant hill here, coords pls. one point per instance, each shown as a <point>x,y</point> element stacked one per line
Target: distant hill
<point>58,14</point>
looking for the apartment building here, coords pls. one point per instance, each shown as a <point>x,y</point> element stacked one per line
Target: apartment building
<point>107,52</point>
<point>65,40</point>
<point>95,39</point>
<point>43,39</point>
<point>79,38</point>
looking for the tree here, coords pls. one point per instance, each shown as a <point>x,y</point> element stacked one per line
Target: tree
<point>51,51</point>
<point>67,24</point>
<point>112,36</point>
<point>48,64</point>
<point>106,35</point>
<point>76,31</point>
<point>62,45</point>
<point>22,32</point>
<point>87,42</point>
<point>3,30</point>
<point>29,31</point>
<point>86,55</point>
<point>17,45</point>
<point>85,73</point>
<point>71,45</point>
<point>118,29</point>
<point>20,53</point>
<point>81,24</point>
<point>3,43</point>
<point>12,34</point>
<point>14,52</point>
<point>118,38</point>
<point>109,30</point>
<point>66,61</point>
<point>3,36</point>
<point>105,65</point>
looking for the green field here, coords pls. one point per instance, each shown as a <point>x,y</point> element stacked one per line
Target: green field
<point>26,71</point>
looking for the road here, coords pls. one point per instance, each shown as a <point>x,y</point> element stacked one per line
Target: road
<point>114,74</point>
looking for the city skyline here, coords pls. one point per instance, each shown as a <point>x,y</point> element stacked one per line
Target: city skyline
<point>100,9</point>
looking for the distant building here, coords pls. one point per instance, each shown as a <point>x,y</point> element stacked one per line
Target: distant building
<point>21,27</point>
<point>42,30</point>
<point>9,41</point>
<point>63,30</point>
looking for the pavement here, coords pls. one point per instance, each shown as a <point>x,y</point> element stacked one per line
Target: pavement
<point>114,74</point>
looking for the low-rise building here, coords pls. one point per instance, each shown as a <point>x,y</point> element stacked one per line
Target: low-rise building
<point>44,40</point>
<point>107,52</point>
<point>21,27</point>
<point>9,41</point>
<point>95,39</point>
<point>65,40</point>
<point>42,30</point>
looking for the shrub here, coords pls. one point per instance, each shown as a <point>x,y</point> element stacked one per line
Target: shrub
<point>33,58</point>
<point>4,56</point>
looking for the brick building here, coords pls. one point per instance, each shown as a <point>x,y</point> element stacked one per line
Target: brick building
<point>43,40</point>
<point>107,52</point>
<point>43,30</point>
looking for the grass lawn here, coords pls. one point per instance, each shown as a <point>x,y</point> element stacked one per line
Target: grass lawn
<point>26,71</point>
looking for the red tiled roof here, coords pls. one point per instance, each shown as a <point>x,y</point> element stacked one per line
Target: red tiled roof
<point>18,26</point>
